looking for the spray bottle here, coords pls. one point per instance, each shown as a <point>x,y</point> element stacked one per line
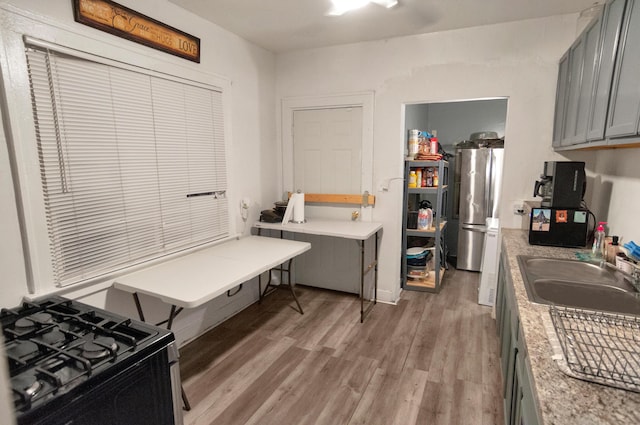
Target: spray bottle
<point>598,241</point>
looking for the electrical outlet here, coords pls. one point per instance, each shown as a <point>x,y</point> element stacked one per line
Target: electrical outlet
<point>518,209</point>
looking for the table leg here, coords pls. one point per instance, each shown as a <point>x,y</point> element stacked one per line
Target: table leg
<point>375,288</point>
<point>185,400</point>
<point>361,243</point>
<point>138,306</point>
<point>172,315</point>
<point>374,265</point>
<point>293,292</point>
<point>273,287</point>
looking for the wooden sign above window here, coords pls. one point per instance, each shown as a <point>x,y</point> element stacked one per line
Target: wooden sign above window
<point>113,18</point>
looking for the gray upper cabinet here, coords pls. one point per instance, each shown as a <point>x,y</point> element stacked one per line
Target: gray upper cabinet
<point>624,106</point>
<point>561,96</point>
<point>598,92</point>
<point>591,41</point>
<point>605,60</point>
<point>576,62</point>
<point>576,76</point>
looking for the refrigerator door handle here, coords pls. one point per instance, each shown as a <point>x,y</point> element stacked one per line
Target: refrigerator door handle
<point>488,184</point>
<point>474,228</point>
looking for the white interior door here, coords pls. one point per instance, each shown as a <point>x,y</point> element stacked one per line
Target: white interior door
<point>327,158</point>
<point>327,148</point>
<point>317,118</point>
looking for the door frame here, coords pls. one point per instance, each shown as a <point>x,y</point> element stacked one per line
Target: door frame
<point>289,105</point>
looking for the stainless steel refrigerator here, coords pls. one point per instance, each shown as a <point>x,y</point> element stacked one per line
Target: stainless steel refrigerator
<point>478,182</point>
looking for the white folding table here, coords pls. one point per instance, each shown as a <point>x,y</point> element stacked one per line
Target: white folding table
<point>356,230</point>
<point>196,278</point>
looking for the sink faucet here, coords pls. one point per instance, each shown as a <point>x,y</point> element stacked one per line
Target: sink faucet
<point>633,277</point>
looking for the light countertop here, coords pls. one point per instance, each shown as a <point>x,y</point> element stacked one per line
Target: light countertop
<point>562,400</point>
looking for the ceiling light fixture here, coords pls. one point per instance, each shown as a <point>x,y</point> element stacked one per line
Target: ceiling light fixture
<point>340,7</point>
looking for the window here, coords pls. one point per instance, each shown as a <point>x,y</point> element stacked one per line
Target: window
<point>132,163</point>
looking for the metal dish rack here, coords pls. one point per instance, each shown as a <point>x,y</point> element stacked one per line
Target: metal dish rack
<point>600,347</point>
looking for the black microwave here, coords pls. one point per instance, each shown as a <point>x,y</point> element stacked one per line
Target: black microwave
<point>562,227</point>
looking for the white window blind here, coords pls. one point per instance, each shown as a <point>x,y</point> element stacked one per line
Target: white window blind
<point>132,164</point>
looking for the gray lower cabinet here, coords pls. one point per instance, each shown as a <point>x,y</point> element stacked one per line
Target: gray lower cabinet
<point>525,411</point>
<point>624,106</point>
<point>519,401</point>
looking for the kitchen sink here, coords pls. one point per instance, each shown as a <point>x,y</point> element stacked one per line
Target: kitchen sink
<point>580,284</point>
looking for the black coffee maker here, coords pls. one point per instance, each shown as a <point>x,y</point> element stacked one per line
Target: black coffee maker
<point>561,220</point>
<point>562,184</point>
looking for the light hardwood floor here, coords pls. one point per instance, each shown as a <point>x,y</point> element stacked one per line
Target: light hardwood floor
<point>432,359</point>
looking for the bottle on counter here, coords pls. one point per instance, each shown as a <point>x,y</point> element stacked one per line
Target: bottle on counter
<point>598,241</point>
<point>612,249</point>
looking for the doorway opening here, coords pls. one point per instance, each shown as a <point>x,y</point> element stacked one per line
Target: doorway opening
<point>455,122</point>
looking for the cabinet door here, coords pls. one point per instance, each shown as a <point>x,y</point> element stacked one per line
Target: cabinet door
<point>624,107</point>
<point>527,411</point>
<point>516,395</point>
<point>500,297</point>
<point>610,35</point>
<point>591,37</point>
<point>561,97</point>
<point>510,377</point>
<point>576,60</point>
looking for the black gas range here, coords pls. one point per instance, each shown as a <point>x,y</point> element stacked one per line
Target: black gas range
<point>71,363</point>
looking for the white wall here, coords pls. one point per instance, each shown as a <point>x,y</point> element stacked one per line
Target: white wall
<point>614,182</point>
<point>516,60</point>
<point>455,121</point>
<point>249,70</point>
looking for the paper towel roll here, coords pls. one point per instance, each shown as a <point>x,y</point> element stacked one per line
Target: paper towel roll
<point>298,207</point>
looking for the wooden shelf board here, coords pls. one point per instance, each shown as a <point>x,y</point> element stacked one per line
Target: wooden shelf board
<point>327,198</point>
<point>430,230</point>
<point>427,282</point>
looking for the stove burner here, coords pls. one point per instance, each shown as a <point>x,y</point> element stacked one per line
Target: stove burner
<point>23,349</point>
<point>24,323</point>
<point>53,337</point>
<point>42,317</point>
<point>27,383</point>
<point>99,348</point>
<point>30,322</point>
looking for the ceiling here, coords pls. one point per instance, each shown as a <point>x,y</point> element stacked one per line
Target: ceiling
<point>285,25</point>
